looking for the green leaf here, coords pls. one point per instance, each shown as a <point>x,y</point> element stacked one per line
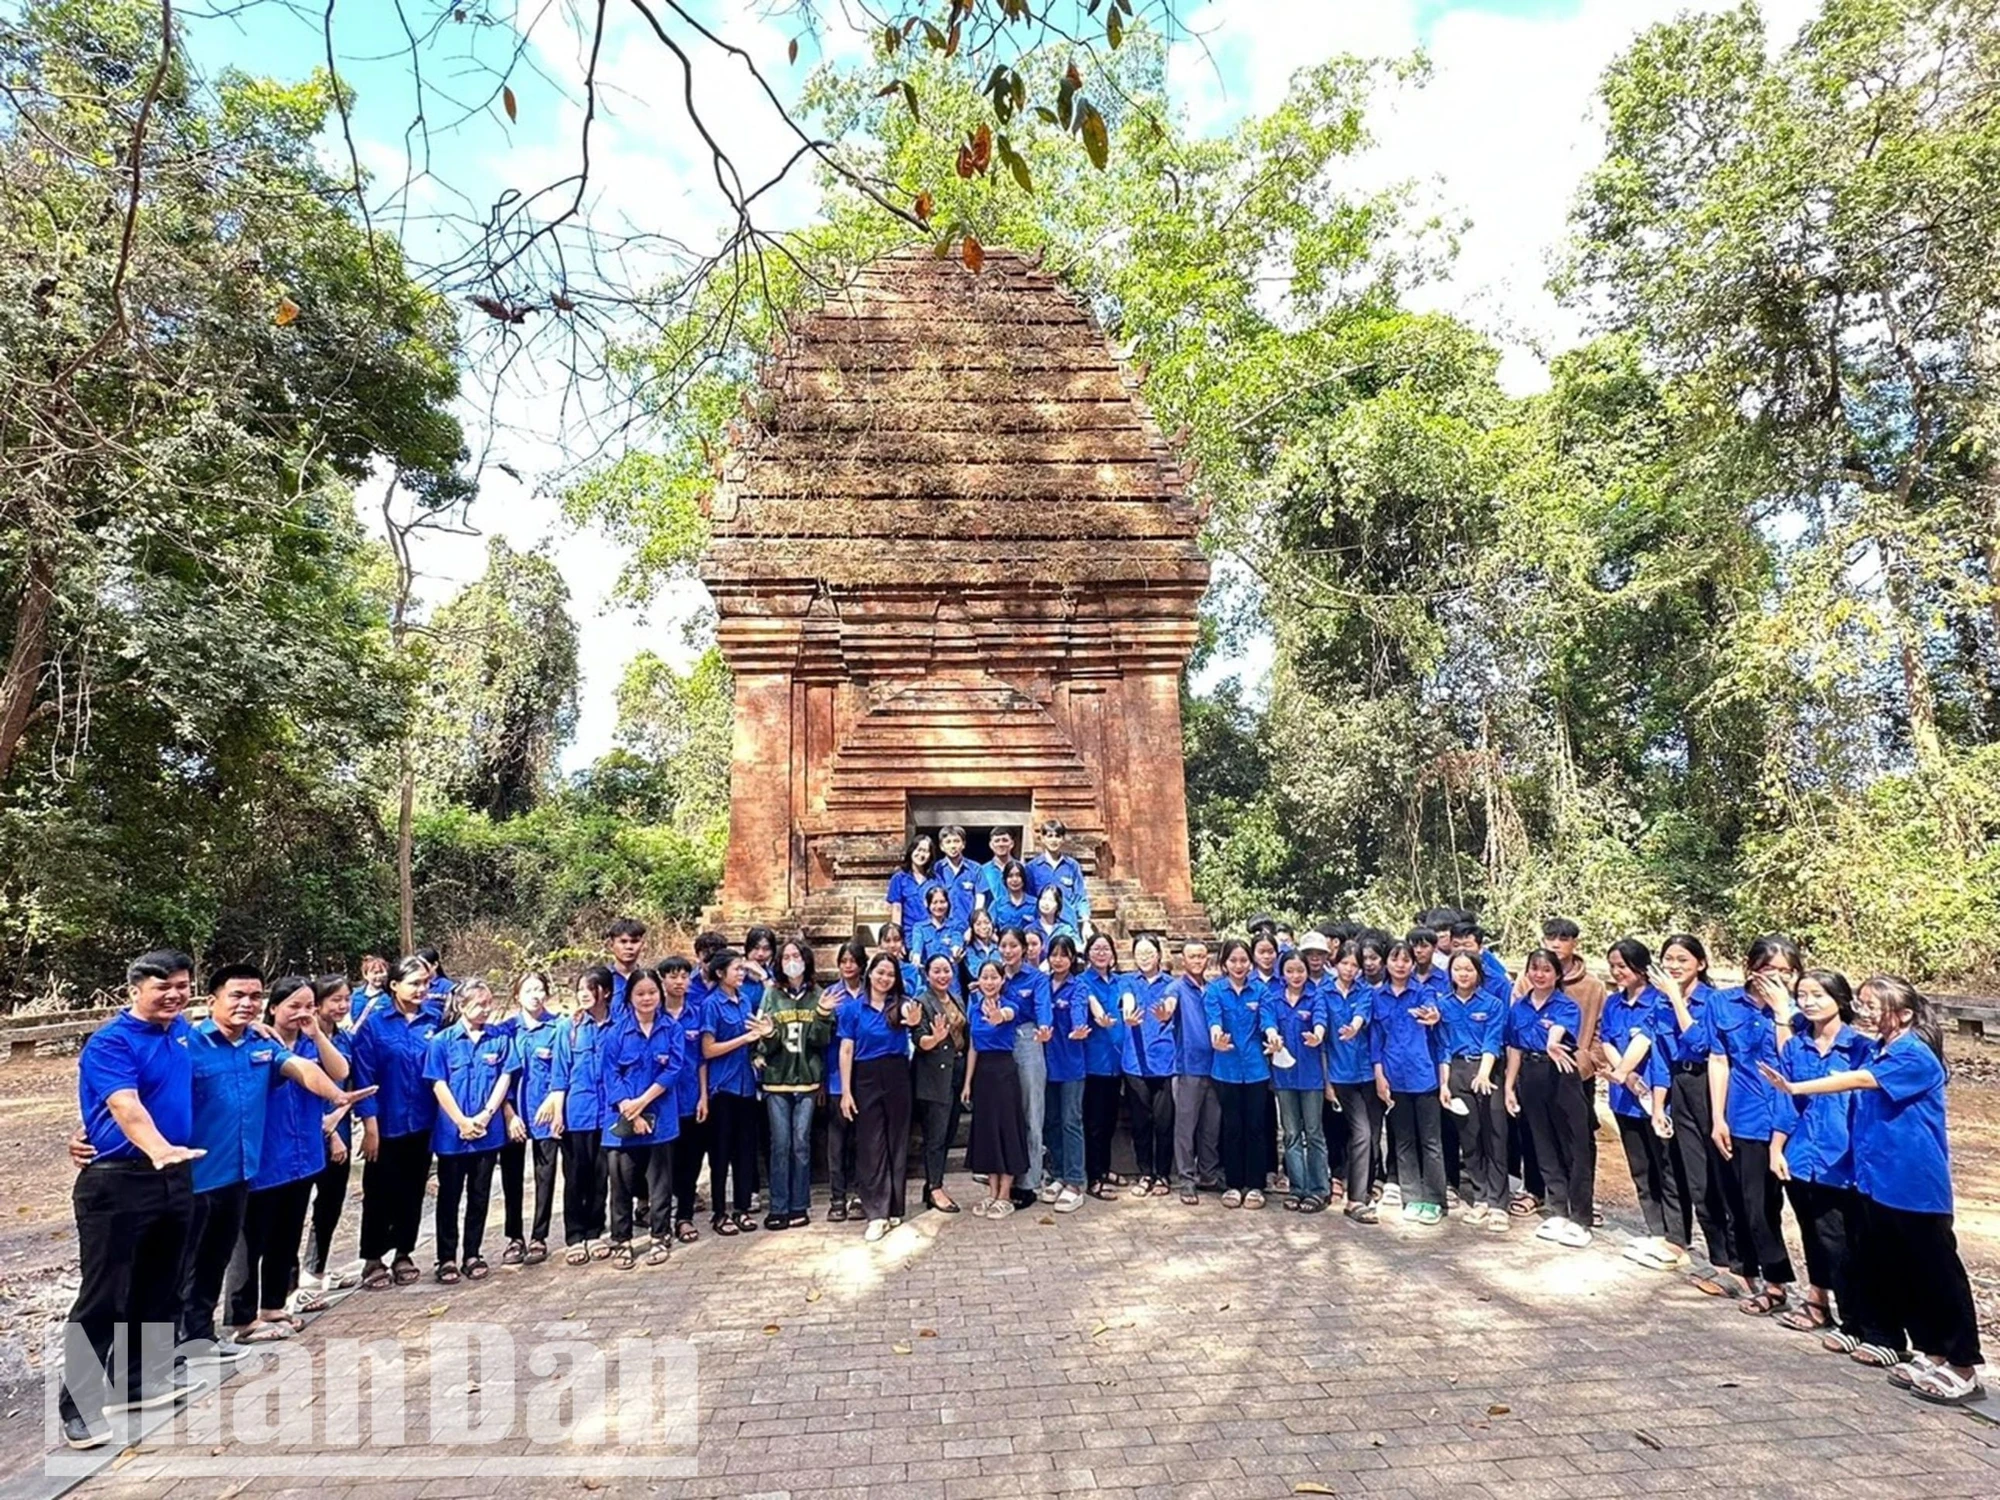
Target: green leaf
<point>1114,28</point>
<point>1015,164</point>
<point>1096,139</point>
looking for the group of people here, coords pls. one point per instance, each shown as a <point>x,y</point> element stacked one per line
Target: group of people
<point>1342,1066</point>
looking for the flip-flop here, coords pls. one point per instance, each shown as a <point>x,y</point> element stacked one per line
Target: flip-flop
<point>1161,1188</point>
<point>264,1333</point>
<point>446,1273</point>
<point>1807,1317</point>
<point>577,1255</point>
<point>1711,1284</point>
<point>1190,1199</point>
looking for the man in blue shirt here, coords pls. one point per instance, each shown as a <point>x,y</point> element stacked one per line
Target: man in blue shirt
<point>1052,867</point>
<point>624,945</point>
<point>964,880</point>
<point>1197,1108</point>
<point>992,874</point>
<point>133,1200</point>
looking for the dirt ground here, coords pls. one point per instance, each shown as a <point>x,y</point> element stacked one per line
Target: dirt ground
<point>38,1250</point>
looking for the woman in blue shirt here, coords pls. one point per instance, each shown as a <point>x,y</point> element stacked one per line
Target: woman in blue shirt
<point>1149,1050</point>
<point>849,961</point>
<point>937,933</point>
<point>679,1008</point>
<point>1350,1078</point>
<point>1051,919</point>
<point>294,1151</point>
<point>1913,1284</point>
<point>982,941</point>
<point>1743,1037</point>
<point>470,1070</point>
<point>390,1048</point>
<point>1627,1033</point>
<point>730,1029</point>
<point>643,1059</point>
<point>1103,1061</point>
<point>1682,977</point>
<point>329,1194</point>
<point>1412,1080</point>
<point>875,1089</point>
<point>911,884</point>
<point>1296,1020</point>
<point>1235,1005</point>
<point>1474,1034</point>
<point>576,1092</point>
<point>1014,904</point>
<point>1542,1027</point>
<point>998,1147</point>
<point>1812,1153</point>
<point>530,1122</point>
<point>1064,1057</point>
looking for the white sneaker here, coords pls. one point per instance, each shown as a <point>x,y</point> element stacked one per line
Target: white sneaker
<point>1552,1228</point>
<point>876,1229</point>
<point>895,1223</point>
<point>1392,1192</point>
<point>1050,1191</point>
<point>1574,1236</point>
<point>1068,1201</point>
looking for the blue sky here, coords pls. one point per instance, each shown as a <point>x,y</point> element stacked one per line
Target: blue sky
<point>1500,137</point>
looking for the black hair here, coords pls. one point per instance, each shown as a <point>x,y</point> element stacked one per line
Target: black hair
<point>414,966</point>
<point>1400,946</point>
<point>1478,969</point>
<point>1636,955</point>
<point>717,964</point>
<point>625,927</point>
<point>882,932</point>
<point>327,986</point>
<point>1229,947</point>
<point>909,852</point>
<point>1424,937</point>
<point>673,963</point>
<point>158,963</point>
<point>1157,943</point>
<point>1001,831</point>
<point>805,951</point>
<point>948,830</point>
<point>1372,941</point>
<point>228,972</point>
<point>1298,954</point>
<point>758,935</point>
<point>1258,938</point>
<point>1105,938</point>
<point>1056,826</point>
<point>284,989</point>
<point>931,897</point>
<point>1062,942</point>
<point>989,962</point>
<point>1894,992</point>
<point>936,958</point>
<point>597,979</point>
<point>1341,933</point>
<point>868,976</point>
<point>1349,948</point>
<point>1547,957</point>
<point>1837,988</point>
<point>706,943</point>
<point>853,948</point>
<point>1012,868</point>
<point>1018,934</point>
<point>1694,947</point>
<point>645,976</point>
<point>1464,928</point>
<point>1561,929</point>
<point>1770,946</point>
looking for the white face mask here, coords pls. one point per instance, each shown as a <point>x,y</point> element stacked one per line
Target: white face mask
<point>795,968</point>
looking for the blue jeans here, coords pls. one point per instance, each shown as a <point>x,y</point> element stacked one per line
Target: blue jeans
<point>1033,1069</point>
<point>1305,1142</point>
<point>1065,1104</point>
<point>791,1117</point>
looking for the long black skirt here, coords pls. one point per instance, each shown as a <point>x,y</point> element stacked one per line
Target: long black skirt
<point>999,1140</point>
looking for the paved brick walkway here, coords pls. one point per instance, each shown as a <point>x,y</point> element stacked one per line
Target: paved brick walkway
<point>1141,1347</point>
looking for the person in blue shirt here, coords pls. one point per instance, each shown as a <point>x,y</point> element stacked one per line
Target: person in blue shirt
<point>1197,1107</point>
<point>373,990</point>
<point>438,992</point>
<point>1235,1005</point>
<point>1065,1058</point>
<point>1682,1042</point>
<point>690,1090</point>
<point>317,1278</point>
<point>1295,1020</point>
<point>575,1105</point>
<point>849,960</point>
<point>1473,1034</point>
<point>390,1049</point>
<point>293,1152</point>
<point>134,1200</point>
<point>643,1059</point>
<point>1812,1153</point>
<point>1541,1070</point>
<point>1431,962</point>
<point>470,1068</point>
<point>964,880</point>
<point>1264,955</point>
<point>530,1124</point>
<point>907,887</point>
<point>875,1089</point>
<point>890,940</point>
<point>1051,922</point>
<point>1467,936</point>
<point>1743,1035</point>
<point>1913,1283</point>
<point>982,941</point>
<point>1627,1032</point>
<point>993,874</point>
<point>998,1147</point>
<point>625,946</point>
<point>1026,990</point>
<point>1350,1076</point>
<point>1412,1080</point>
<point>939,933</point>
<point>1104,1062</point>
<point>1053,868</point>
<point>731,1030</point>
<point>1148,1057</point>
<point>1013,903</point>
<point>237,1068</point>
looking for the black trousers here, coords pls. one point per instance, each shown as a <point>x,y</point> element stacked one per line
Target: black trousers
<point>212,1232</point>
<point>1914,1286</point>
<point>1553,1106</point>
<point>1100,1124</point>
<point>1698,1167</point>
<point>1755,1201</point>
<point>1653,1179</point>
<point>882,1135</point>
<point>1475,1145</point>
<point>131,1222</point>
<point>645,1172</point>
<point>1416,1126</point>
<point>1829,1219</point>
<point>1149,1115</point>
<point>732,1150</point>
<point>329,1198</point>
<point>1361,1112</point>
<point>690,1151</point>
<point>392,1196</point>
<point>1242,1129</point>
<point>935,1117</point>
<point>839,1152</point>
<point>466,1174</point>
<point>586,1183</point>
<point>514,1158</point>
<point>274,1220</point>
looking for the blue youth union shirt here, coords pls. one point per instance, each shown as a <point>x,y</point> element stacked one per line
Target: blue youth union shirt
<point>1402,1046</point>
<point>152,1061</point>
<point>725,1020</point>
<point>469,1067</point>
<point>1293,1022</point>
<point>575,1069</point>
<point>1820,1127</point>
<point>635,1060</point>
<point>1901,1156</point>
<point>389,1054</point>
<point>533,1066</point>
<point>233,1084</point>
<point>294,1134</point>
<point>1194,1055</point>
<point>1240,1015</point>
<point>1348,1061</point>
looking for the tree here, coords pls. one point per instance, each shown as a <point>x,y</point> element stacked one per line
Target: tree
<point>501,695</point>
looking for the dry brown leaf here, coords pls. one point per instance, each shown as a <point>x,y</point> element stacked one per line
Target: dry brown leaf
<point>1498,1411</point>
<point>437,1309</point>
<point>1313,1487</point>
<point>770,1329</point>
<point>792,52</point>
<point>974,256</point>
<point>924,206</point>
<point>926,1333</point>
<point>287,313</point>
<point>507,102</point>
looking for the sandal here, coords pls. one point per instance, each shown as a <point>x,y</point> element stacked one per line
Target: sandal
<point>538,1251</point>
<point>1291,1205</point>
<point>1363,1213</point>
<point>1765,1304</point>
<point>1877,1356</point>
<point>1253,1199</point>
<point>1907,1375</point>
<point>1807,1317</point>
<point>514,1254</point>
<point>1837,1342</point>
<point>376,1278</point>
<point>404,1270</point>
<point>577,1255</point>
<point>1142,1188</point>
<point>1524,1205</point>
<point>1232,1199</point>
<point>745,1224</point>
<point>1161,1188</point>
<point>1312,1205</point>
<point>725,1227</point>
<point>1102,1191</point>
<point>600,1250</point>
<point>261,1332</point>
<point>304,1301</point>
<point>801,1219</point>
<point>1716,1284</point>
<point>446,1273</point>
<point>686,1233</point>
<point>476,1268</point>
<point>622,1258</point>
<point>1189,1200</point>
<point>657,1254</point>
<point>1943,1386</point>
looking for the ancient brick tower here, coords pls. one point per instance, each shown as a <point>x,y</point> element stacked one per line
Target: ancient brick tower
<point>956,581</point>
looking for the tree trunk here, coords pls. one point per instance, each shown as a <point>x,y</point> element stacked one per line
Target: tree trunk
<point>406,893</point>
<point>23,676</point>
<point>1919,700</point>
